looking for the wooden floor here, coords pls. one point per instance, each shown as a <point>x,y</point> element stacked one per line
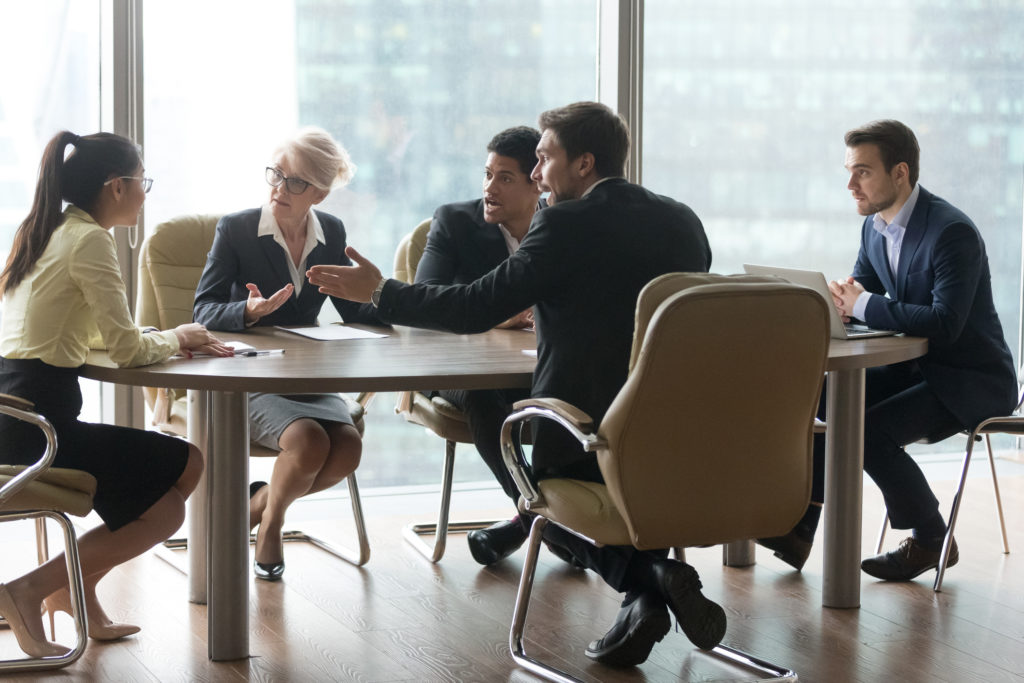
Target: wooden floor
<point>402,619</point>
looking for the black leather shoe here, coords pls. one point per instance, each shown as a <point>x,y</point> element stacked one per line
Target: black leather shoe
<point>793,548</point>
<point>638,626</point>
<point>907,562</point>
<point>497,541</point>
<point>702,620</point>
<point>272,571</point>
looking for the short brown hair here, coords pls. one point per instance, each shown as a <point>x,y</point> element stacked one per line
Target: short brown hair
<point>590,127</point>
<point>895,142</point>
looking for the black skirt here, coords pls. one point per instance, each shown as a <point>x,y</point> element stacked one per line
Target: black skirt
<point>133,468</point>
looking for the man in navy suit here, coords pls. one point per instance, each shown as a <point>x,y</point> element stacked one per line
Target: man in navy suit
<point>921,270</point>
<point>581,266</point>
<point>467,240</point>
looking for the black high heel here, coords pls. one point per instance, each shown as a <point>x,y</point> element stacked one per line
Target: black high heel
<point>272,571</point>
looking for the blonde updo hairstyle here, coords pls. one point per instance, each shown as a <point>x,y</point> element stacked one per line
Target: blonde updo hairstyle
<point>318,158</point>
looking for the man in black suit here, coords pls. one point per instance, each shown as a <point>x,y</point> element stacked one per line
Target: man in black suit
<point>466,241</point>
<point>922,270</point>
<point>581,266</point>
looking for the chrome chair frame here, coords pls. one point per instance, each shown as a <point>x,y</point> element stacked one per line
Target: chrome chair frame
<point>72,559</point>
<point>413,533</point>
<point>984,429</point>
<point>1003,424</point>
<point>522,473</point>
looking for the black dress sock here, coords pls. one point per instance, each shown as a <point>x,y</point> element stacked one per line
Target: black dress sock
<point>930,534</point>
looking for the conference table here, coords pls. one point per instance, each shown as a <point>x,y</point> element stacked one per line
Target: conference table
<point>413,359</point>
<point>405,359</point>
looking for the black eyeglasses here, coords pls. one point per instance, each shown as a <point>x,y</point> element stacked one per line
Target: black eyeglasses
<point>147,183</point>
<point>293,185</point>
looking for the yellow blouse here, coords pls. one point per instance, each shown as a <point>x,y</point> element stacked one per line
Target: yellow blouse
<point>74,300</point>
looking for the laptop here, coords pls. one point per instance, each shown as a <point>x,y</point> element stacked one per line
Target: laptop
<point>816,281</point>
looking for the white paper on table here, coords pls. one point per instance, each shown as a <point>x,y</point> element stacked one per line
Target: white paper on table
<point>530,352</point>
<point>332,332</point>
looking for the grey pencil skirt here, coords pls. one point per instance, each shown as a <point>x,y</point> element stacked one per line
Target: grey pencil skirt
<point>270,414</point>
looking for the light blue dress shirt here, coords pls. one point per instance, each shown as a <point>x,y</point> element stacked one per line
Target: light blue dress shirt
<point>893,233</point>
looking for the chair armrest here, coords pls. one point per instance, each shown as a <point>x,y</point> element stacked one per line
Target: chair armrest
<point>21,409</point>
<point>16,402</point>
<point>574,420</point>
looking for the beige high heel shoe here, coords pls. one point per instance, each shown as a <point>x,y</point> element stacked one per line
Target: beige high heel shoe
<point>61,602</point>
<point>29,644</point>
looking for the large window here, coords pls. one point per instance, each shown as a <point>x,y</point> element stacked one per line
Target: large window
<point>747,103</point>
<point>50,82</point>
<point>414,90</point>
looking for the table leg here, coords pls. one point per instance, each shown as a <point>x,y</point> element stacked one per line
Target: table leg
<point>844,487</point>
<point>198,509</point>
<point>227,471</point>
<point>738,554</point>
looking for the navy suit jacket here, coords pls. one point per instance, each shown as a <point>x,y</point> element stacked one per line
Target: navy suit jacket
<point>238,256</point>
<point>461,246</point>
<point>942,290</point>
<point>582,266</point>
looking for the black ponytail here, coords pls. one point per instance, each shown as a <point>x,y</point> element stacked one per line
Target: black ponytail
<point>77,179</point>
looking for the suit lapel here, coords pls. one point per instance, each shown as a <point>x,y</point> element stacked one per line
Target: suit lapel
<point>916,229</point>
<point>880,259</point>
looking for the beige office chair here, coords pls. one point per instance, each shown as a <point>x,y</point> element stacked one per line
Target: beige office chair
<point>678,470</point>
<point>171,262</point>
<point>41,492</point>
<point>436,414</point>
<point>1010,424</point>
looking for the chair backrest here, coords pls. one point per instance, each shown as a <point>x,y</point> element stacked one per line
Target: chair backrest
<point>410,251</point>
<point>171,262</point>
<point>709,439</point>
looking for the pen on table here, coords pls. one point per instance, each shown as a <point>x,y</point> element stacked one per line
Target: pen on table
<point>259,352</point>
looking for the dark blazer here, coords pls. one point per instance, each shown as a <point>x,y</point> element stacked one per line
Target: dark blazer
<point>942,290</point>
<point>581,265</point>
<point>461,246</point>
<point>238,256</point>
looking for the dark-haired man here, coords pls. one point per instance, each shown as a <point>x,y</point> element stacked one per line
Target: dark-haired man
<point>581,266</point>
<point>921,270</point>
<point>466,241</point>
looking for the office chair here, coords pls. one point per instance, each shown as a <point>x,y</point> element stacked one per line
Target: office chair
<point>38,492</point>
<point>436,414</point>
<point>669,448</point>
<point>1009,424</point>
<point>171,262</point>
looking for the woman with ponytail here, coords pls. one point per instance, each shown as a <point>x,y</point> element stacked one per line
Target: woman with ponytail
<point>63,295</point>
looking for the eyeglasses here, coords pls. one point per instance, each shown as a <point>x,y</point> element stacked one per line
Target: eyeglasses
<point>293,185</point>
<point>147,183</point>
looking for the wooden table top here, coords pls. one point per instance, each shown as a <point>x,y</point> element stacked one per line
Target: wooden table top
<point>851,354</point>
<point>407,359</point>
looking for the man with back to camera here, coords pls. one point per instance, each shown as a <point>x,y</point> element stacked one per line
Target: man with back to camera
<point>581,266</point>
<point>466,241</point>
<point>921,270</point>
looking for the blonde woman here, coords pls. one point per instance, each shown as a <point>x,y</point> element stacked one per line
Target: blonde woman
<point>255,275</point>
